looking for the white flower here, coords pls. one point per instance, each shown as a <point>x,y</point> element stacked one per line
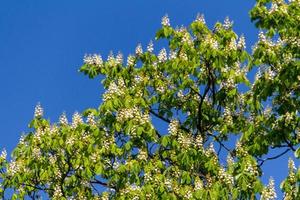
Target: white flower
<point>13,168</point>
<point>224,176</point>
<point>227,23</point>
<point>3,154</point>
<point>227,116</point>
<point>143,155</point>
<point>268,192</point>
<point>139,50</point>
<point>274,7</point>
<point>93,59</point>
<point>63,120</point>
<point>200,18</point>
<point>173,127</point>
<point>172,55</point>
<point>199,141</point>
<point>150,47</point>
<point>57,192</point>
<point>119,58</point>
<point>185,140</point>
<point>70,141</point>
<point>165,21</point>
<point>188,195</point>
<point>241,43</point>
<point>76,120</point>
<point>130,60</point>
<point>262,37</point>
<point>162,56</point>
<point>38,111</point>
<point>198,184</point>
<point>114,89</point>
<point>229,160</point>
<point>91,119</point>
<point>36,152</point>
<point>232,44</point>
<point>291,165</point>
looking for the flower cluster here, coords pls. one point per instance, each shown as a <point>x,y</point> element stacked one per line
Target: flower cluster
<point>162,56</point>
<point>3,155</point>
<point>232,44</point>
<point>119,59</point>
<point>200,18</point>
<point>165,21</point>
<point>173,127</point>
<point>199,141</point>
<point>38,111</point>
<point>139,50</point>
<point>142,155</point>
<point>241,43</point>
<point>76,120</point>
<point>91,119</point>
<point>114,89</point>
<point>185,140</point>
<point>13,168</point>
<point>268,192</point>
<point>227,23</point>
<point>132,113</point>
<point>63,120</point>
<point>210,41</point>
<point>198,184</point>
<point>57,194</point>
<point>150,47</point>
<point>228,116</point>
<point>93,60</point>
<point>225,177</point>
<point>130,60</point>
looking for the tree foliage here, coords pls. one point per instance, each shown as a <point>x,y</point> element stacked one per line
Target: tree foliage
<point>182,123</point>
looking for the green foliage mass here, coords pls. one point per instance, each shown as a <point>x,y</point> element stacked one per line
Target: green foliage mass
<point>197,87</point>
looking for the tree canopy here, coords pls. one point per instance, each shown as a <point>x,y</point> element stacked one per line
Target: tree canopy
<point>183,122</point>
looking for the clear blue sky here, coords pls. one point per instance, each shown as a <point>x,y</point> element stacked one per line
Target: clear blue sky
<point>42,44</point>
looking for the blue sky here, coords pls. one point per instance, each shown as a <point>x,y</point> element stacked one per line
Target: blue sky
<point>42,44</point>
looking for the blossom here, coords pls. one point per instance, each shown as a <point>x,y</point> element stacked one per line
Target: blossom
<point>150,47</point>
<point>173,127</point>
<point>241,43</point>
<point>224,176</point>
<point>76,120</point>
<point>130,60</point>
<point>185,140</point>
<point>274,7</point>
<point>227,23</point>
<point>291,165</point>
<point>93,59</point>
<point>162,56</point>
<point>200,18</point>
<point>165,21</point>
<point>232,44</point>
<point>139,50</point>
<point>268,192</point>
<point>38,111</point>
<point>262,37</point>
<point>143,155</point>
<point>172,55</point>
<point>114,89</point>
<point>63,120</point>
<point>3,154</point>
<point>227,116</point>
<point>57,192</point>
<point>199,141</point>
<point>13,168</point>
<point>119,59</point>
<point>198,184</point>
<point>91,119</point>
